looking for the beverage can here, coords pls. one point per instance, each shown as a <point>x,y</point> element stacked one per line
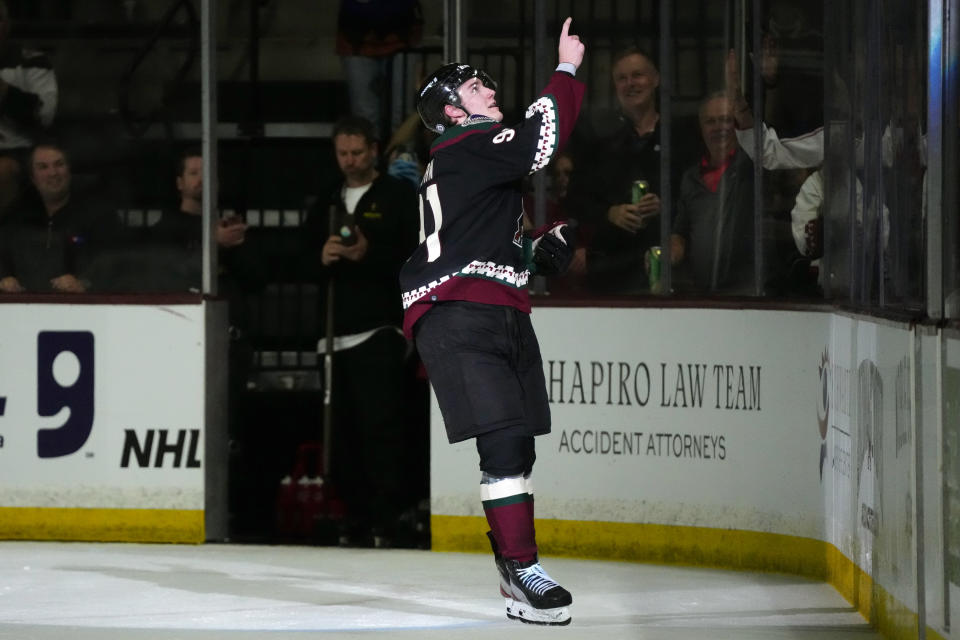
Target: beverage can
<point>639,189</point>
<point>654,254</point>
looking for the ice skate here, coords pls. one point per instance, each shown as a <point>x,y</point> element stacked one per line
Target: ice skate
<point>534,597</point>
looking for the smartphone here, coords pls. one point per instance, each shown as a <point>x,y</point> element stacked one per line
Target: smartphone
<point>342,224</point>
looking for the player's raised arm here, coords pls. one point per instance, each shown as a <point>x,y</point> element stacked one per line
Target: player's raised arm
<point>570,48</point>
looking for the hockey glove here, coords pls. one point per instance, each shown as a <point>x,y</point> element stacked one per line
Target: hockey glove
<point>551,249</point>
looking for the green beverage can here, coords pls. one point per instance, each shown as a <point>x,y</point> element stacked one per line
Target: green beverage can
<point>654,269</point>
<point>639,189</point>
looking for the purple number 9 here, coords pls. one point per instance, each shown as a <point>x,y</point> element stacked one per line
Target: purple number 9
<point>64,379</point>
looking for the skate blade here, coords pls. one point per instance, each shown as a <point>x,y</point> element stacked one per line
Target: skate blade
<point>525,613</point>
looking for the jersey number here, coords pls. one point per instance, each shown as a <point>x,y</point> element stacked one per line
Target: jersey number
<point>433,240</point>
<point>504,136</point>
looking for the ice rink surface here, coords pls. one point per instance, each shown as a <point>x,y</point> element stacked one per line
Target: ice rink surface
<point>81,591</point>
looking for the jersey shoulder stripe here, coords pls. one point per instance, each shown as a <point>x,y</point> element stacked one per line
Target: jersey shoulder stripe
<point>461,132</point>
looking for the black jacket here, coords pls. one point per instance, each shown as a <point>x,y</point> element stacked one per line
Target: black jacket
<point>366,293</point>
<point>173,257</point>
<point>36,248</point>
<point>608,156</point>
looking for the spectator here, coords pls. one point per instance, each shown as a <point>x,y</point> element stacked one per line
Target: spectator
<point>356,241</point>
<point>802,151</point>
<point>793,89</point>
<point>175,241</point>
<point>561,168</point>
<point>806,151</point>
<point>786,163</point>
<point>713,232</point>
<point>370,36</point>
<point>179,232</point>
<point>51,245</point>
<point>611,152</point>
<point>560,171</point>
<point>28,102</point>
<point>807,221</point>
<point>408,150</point>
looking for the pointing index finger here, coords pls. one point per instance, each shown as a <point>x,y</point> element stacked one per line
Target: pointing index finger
<point>566,27</point>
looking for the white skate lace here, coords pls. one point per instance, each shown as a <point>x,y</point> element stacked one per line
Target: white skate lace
<point>536,579</point>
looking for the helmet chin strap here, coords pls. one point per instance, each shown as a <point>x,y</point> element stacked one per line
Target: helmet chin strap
<point>472,116</point>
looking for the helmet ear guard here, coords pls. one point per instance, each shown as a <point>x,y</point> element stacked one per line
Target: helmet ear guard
<point>441,88</point>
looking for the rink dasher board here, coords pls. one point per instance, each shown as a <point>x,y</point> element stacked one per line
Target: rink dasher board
<point>102,428</point>
<point>766,442</point>
<point>792,451</point>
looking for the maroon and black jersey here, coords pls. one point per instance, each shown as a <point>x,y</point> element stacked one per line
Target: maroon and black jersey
<point>471,210</point>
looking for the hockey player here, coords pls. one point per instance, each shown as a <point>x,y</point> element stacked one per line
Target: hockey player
<point>467,306</point>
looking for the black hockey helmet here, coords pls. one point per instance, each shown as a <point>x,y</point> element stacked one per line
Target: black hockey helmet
<point>440,89</point>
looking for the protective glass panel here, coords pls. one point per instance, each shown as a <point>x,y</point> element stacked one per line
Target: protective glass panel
<point>789,64</point>
<point>713,231</point>
<point>874,171</point>
<point>92,189</point>
<point>617,152</point>
<point>902,46</point>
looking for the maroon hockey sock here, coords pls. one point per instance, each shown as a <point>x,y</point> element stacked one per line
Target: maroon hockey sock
<point>510,516</point>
